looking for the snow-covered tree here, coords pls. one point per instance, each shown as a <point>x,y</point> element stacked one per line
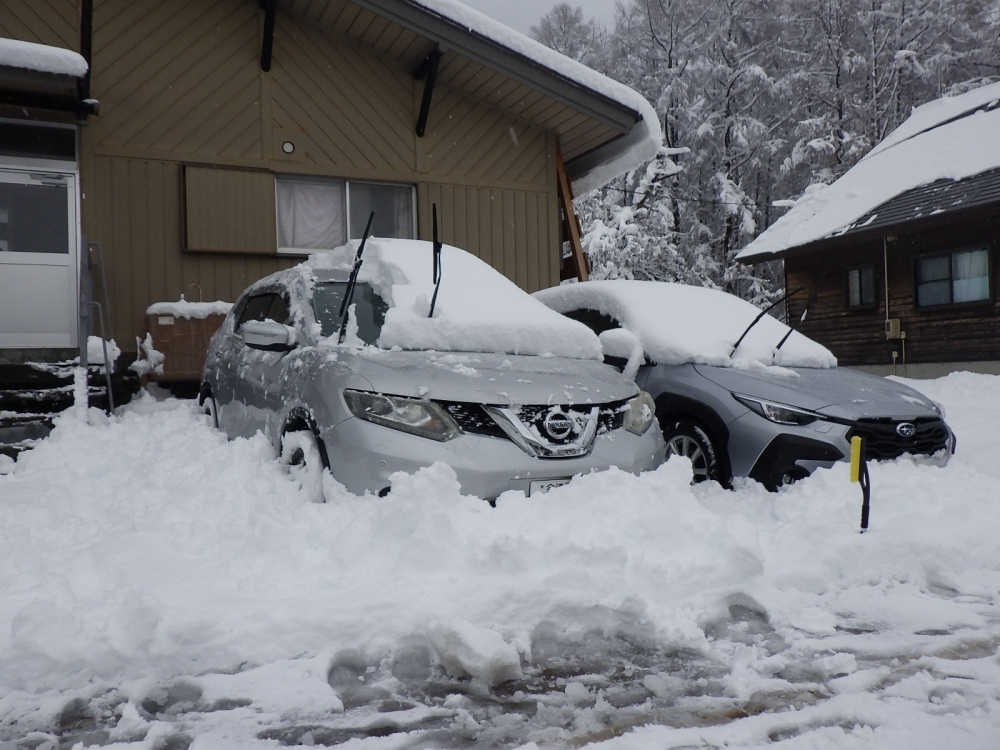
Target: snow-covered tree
<point>758,99</point>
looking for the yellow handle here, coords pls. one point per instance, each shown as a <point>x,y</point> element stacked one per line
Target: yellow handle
<point>856,459</point>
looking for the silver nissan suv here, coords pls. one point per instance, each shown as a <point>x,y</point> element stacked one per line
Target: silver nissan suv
<point>305,356</point>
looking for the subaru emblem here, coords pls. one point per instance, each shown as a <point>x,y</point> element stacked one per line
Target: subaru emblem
<point>906,429</point>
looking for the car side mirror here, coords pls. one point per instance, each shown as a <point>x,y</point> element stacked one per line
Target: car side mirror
<point>623,351</point>
<point>268,336</point>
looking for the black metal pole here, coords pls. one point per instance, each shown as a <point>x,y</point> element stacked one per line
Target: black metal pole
<point>270,8</point>
<point>86,44</point>
<point>428,69</point>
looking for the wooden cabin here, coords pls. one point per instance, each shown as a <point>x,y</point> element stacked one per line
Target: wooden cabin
<point>908,283</point>
<point>204,145</point>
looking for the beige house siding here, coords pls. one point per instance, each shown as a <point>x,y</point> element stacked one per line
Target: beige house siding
<point>53,22</point>
<point>229,210</point>
<point>180,87</point>
<point>134,211</point>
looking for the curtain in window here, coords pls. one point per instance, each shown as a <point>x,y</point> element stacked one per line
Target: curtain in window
<point>311,214</point>
<point>970,271</point>
<point>393,207</point>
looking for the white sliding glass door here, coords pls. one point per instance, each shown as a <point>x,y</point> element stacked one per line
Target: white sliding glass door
<point>38,259</point>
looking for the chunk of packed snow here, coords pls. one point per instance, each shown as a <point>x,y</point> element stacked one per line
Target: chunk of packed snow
<point>149,360</point>
<point>466,650</point>
<point>41,57</point>
<point>605,163</point>
<point>189,310</point>
<point>677,323</point>
<point>95,351</point>
<point>925,148</point>
<point>478,309</point>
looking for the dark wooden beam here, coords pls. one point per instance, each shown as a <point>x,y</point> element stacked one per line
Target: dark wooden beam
<point>270,8</point>
<point>578,261</point>
<point>427,71</point>
<point>55,102</point>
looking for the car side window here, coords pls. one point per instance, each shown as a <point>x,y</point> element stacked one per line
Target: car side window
<point>278,310</point>
<point>596,321</point>
<point>257,308</point>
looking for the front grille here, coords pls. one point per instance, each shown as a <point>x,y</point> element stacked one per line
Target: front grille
<point>609,417</point>
<point>882,442</point>
<point>473,419</point>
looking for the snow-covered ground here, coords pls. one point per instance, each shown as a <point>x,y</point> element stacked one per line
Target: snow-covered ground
<point>161,588</point>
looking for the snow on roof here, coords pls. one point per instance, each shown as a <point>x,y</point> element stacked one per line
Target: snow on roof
<point>478,309</point>
<point>613,159</point>
<point>677,323</point>
<point>189,310</point>
<point>41,57</point>
<point>944,139</point>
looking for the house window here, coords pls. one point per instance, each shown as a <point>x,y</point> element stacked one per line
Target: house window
<point>322,213</point>
<point>954,278</point>
<point>861,287</point>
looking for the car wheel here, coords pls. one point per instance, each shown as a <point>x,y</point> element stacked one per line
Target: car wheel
<point>211,408</point>
<point>684,438</point>
<point>301,453</point>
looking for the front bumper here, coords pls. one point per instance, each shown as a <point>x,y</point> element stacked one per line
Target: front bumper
<point>783,453</point>
<point>364,455</point>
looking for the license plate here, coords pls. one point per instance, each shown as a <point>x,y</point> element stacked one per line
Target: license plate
<point>544,485</point>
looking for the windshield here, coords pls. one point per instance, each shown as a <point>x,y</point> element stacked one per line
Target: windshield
<point>369,309</point>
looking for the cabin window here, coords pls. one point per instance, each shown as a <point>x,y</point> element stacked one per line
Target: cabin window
<point>953,278</point>
<point>322,213</point>
<point>861,287</point>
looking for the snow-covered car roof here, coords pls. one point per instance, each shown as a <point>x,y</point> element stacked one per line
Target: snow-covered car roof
<point>677,323</point>
<point>949,138</point>
<point>42,58</point>
<point>478,309</point>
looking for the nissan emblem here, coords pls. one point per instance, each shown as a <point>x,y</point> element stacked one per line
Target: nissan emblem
<point>558,425</point>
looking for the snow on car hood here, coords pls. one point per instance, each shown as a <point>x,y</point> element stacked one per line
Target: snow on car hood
<point>677,323</point>
<point>478,309</point>
<point>493,378</point>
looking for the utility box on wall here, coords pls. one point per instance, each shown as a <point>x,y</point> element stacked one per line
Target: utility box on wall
<point>181,331</point>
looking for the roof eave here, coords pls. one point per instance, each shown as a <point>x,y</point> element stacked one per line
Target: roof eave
<point>859,236</point>
<point>60,92</point>
<point>486,51</point>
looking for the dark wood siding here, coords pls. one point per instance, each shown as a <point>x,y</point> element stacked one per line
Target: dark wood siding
<point>949,333</point>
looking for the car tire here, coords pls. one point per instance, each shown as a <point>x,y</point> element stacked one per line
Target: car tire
<point>688,439</point>
<point>211,409</point>
<point>303,455</point>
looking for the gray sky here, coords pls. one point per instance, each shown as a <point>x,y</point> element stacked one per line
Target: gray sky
<point>523,14</point>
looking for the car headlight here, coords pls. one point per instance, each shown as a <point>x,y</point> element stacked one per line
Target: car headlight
<point>639,413</point>
<point>780,413</point>
<point>413,415</point>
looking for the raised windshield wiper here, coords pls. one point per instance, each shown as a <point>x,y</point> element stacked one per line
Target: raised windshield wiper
<point>352,281</point>
<point>805,311</point>
<point>756,320</point>
<point>437,260</point>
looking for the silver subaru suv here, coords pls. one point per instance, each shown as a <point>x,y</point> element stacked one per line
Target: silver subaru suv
<point>742,394</point>
<point>365,366</point>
